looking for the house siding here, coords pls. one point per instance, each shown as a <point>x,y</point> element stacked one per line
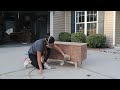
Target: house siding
<point>72,21</point>
<point>58,23</point>
<point>117,32</point>
<point>100,22</point>
<point>108,27</point>
<point>105,24</point>
<point>68,21</point>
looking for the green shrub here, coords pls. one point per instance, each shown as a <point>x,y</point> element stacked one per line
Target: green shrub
<point>65,36</point>
<point>96,41</point>
<point>78,37</point>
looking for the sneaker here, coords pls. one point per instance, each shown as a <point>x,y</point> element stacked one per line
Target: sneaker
<point>46,66</point>
<point>62,63</point>
<point>26,63</point>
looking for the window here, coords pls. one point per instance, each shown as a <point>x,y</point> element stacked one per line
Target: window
<point>80,27</point>
<point>80,19</point>
<point>86,21</point>
<point>91,28</point>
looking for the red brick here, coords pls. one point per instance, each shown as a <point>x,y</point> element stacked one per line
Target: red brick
<point>77,51</point>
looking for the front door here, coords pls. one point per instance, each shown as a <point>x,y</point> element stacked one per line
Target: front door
<point>40,27</point>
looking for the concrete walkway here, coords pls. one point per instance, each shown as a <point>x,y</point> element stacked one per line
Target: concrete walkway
<point>100,64</point>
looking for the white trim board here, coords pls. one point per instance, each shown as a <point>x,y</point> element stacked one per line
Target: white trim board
<point>114,27</point>
<point>51,23</point>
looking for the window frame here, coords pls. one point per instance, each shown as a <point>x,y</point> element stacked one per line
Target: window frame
<point>85,21</point>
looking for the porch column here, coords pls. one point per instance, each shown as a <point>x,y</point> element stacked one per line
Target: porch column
<point>109,27</point>
<point>114,27</point>
<point>51,23</point>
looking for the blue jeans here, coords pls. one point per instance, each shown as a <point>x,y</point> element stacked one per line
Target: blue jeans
<point>33,58</point>
<point>47,55</point>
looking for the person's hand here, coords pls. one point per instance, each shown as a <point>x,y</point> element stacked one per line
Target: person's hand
<point>66,57</point>
<point>41,74</point>
<point>63,54</point>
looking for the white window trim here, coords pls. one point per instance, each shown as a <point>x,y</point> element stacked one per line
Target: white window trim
<point>75,21</point>
<point>92,22</point>
<point>85,23</point>
<point>97,24</point>
<point>114,27</point>
<point>85,29</point>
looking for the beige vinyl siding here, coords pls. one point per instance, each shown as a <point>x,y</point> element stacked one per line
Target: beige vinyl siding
<point>100,22</point>
<point>108,27</point>
<point>68,21</point>
<point>117,32</point>
<point>58,23</point>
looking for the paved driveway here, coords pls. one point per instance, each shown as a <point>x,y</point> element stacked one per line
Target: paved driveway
<point>100,64</point>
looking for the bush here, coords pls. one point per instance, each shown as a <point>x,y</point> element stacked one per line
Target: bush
<point>96,41</point>
<point>78,37</point>
<point>65,36</point>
